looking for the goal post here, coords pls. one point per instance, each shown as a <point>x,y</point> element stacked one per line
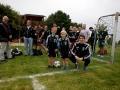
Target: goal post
<point>114,36</point>
<point>111,22</point>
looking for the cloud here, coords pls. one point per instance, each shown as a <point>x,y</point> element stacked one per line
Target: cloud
<point>86,11</point>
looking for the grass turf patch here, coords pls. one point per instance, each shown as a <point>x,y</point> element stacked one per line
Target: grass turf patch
<point>100,75</point>
<point>17,85</point>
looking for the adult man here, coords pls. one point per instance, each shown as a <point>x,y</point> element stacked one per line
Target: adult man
<point>85,32</point>
<point>92,40</point>
<point>28,38</point>
<point>72,35</point>
<point>5,37</point>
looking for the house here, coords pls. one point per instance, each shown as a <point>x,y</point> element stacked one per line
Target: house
<point>36,19</point>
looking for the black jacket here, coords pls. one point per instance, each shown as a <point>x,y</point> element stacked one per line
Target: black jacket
<point>28,32</point>
<point>81,50</point>
<point>5,32</point>
<point>64,45</point>
<point>52,42</point>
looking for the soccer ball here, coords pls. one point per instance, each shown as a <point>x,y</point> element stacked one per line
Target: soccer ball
<point>57,64</point>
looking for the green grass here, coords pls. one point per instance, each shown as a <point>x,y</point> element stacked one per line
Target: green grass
<point>106,57</point>
<point>17,85</point>
<point>104,77</point>
<point>23,65</point>
<point>81,81</point>
<point>100,76</point>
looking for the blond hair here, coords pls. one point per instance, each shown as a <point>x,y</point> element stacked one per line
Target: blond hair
<point>63,31</point>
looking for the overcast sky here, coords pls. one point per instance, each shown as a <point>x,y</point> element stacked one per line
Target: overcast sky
<point>85,11</point>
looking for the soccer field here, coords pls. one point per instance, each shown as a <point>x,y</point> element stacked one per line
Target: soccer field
<point>31,73</point>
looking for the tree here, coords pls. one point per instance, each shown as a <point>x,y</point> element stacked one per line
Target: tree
<point>15,18</point>
<point>60,18</point>
<point>12,14</point>
<point>102,27</point>
<point>76,24</point>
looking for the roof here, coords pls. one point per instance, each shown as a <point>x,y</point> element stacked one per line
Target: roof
<point>33,15</point>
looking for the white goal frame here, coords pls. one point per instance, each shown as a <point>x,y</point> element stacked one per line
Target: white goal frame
<point>115,29</point>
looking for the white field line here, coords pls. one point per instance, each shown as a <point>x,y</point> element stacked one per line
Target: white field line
<point>36,85</point>
<point>40,75</point>
<point>32,76</point>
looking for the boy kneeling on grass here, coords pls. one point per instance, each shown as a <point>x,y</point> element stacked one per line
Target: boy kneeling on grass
<point>81,51</point>
<point>51,43</point>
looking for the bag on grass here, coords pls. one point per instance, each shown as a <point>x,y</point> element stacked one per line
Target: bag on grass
<point>16,52</point>
<point>37,52</point>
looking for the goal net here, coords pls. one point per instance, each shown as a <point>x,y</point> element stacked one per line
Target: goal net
<point>108,37</point>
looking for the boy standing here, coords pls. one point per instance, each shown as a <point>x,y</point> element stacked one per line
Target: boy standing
<point>51,43</point>
<point>64,45</point>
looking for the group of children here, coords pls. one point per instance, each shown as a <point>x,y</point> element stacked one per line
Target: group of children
<point>80,50</point>
<point>71,45</point>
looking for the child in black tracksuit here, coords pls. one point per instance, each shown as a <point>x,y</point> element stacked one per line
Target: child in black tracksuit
<point>51,43</point>
<point>81,51</point>
<point>64,46</point>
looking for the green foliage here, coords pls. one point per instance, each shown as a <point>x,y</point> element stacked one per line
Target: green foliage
<point>102,27</point>
<point>60,18</point>
<point>76,24</point>
<point>119,42</point>
<point>12,14</point>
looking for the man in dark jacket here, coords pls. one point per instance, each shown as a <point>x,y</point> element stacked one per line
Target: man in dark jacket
<point>5,37</point>
<point>92,40</point>
<point>28,38</point>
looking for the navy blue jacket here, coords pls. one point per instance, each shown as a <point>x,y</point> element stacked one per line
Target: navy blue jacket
<point>81,50</point>
<point>28,32</point>
<point>64,45</point>
<point>52,42</point>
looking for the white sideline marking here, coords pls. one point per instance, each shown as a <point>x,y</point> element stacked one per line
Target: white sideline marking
<point>33,76</point>
<point>36,85</point>
<point>39,75</point>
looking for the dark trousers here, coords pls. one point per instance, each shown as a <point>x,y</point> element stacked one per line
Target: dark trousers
<point>86,62</point>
